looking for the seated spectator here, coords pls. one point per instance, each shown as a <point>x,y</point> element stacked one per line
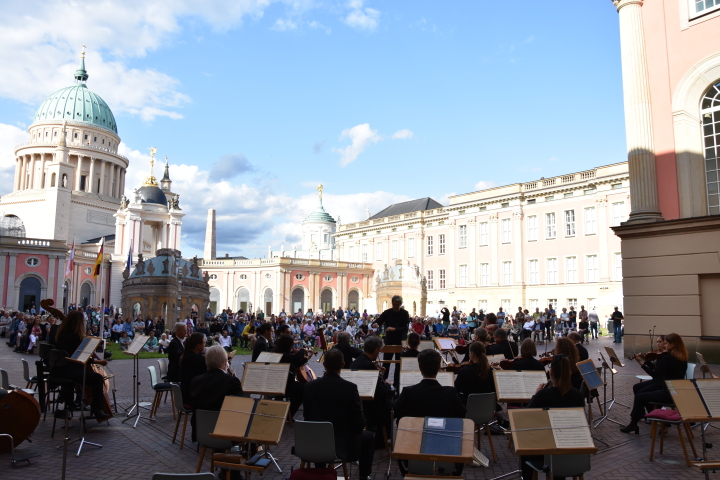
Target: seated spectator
<point>226,341</point>
<point>163,343</point>
<point>152,344</point>
<point>124,341</point>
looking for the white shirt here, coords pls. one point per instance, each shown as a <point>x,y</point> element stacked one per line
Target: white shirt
<point>529,325</point>
<point>226,341</point>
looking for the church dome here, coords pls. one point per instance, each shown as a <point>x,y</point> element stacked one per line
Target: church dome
<point>77,103</point>
<point>152,194</point>
<point>319,214</point>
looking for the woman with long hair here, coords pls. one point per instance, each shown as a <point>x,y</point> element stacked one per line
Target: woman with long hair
<point>476,377</point>
<point>670,366</point>
<point>192,363</point>
<point>68,338</point>
<point>527,360</point>
<point>294,389</point>
<point>565,346</point>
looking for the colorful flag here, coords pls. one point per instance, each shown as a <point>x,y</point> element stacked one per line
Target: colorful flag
<point>98,262</point>
<point>128,264</point>
<point>71,260</point>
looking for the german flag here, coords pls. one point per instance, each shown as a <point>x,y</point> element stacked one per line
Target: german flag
<point>98,262</point>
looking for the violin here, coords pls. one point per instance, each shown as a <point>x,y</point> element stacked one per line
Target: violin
<point>648,356</point>
<point>304,373</point>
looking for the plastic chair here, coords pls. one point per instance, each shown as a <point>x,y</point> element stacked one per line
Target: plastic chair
<point>573,466</point>
<point>5,383</point>
<point>184,476</point>
<point>162,368</point>
<point>159,388</point>
<point>481,410</point>
<point>26,375</point>
<point>690,373</point>
<point>181,410</point>
<point>205,421</point>
<point>315,443</point>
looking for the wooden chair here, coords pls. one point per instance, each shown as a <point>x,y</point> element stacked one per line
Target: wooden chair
<point>654,422</point>
<point>481,410</point>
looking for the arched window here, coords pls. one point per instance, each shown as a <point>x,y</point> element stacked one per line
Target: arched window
<point>12,226</point>
<point>710,112</point>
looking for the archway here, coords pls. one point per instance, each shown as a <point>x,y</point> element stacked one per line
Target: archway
<point>326,300</point>
<point>214,299</point>
<point>12,226</point>
<point>86,295</point>
<point>298,300</point>
<point>353,300</point>
<point>243,299</point>
<point>268,301</point>
<point>30,290</point>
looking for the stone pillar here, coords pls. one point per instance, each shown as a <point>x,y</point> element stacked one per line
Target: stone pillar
<point>210,236</point>
<point>10,301</point>
<point>78,173</point>
<point>31,163</point>
<point>51,278</point>
<point>638,115</point>
<point>494,263</point>
<point>90,184</point>
<point>604,257</point>
<point>43,181</point>
<point>111,181</point>
<point>122,182</point>
<point>3,259</point>
<point>18,174</point>
<point>61,282</point>
<point>101,191</point>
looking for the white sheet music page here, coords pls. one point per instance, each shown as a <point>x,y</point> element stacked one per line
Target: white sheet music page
<point>710,390</point>
<point>265,378</point>
<point>570,428</point>
<point>269,357</point>
<point>409,364</point>
<point>366,381</point>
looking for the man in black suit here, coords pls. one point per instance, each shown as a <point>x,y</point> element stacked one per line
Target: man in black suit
<point>335,400</point>
<point>502,345</point>
<point>413,342</point>
<point>428,398</point>
<point>396,321</point>
<point>262,342</point>
<point>582,351</point>
<point>175,351</point>
<point>377,410</point>
<point>349,352</point>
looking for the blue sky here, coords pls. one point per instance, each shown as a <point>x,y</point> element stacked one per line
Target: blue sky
<point>255,102</point>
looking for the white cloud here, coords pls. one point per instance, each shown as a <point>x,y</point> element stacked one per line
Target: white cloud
<point>530,39</point>
<point>361,136</point>
<point>10,137</point>
<point>485,184</point>
<point>282,25</point>
<point>320,26</point>
<point>403,134</point>
<point>361,18</point>
<point>553,159</point>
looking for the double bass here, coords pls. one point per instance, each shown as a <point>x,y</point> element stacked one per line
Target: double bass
<point>107,408</point>
<point>19,417</point>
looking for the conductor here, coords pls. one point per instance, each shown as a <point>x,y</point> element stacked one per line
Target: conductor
<point>396,321</point>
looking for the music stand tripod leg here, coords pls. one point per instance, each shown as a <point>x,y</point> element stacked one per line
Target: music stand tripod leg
<point>83,427</point>
<point>269,455</point>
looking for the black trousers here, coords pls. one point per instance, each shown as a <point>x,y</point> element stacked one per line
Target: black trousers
<point>647,393</point>
<point>389,356</point>
<point>74,372</point>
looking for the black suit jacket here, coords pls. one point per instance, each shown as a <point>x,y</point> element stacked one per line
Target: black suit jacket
<point>335,400</point>
<point>503,348</point>
<point>429,399</point>
<point>261,345</point>
<point>208,391</point>
<point>467,382</point>
<point>399,321</point>
<point>529,363</point>
<point>175,351</point>
<point>349,352</point>
<point>191,366</point>
<point>550,397</point>
<point>377,411</point>
<point>582,351</point>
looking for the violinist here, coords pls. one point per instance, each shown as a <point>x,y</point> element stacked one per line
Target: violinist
<point>476,377</point>
<point>413,341</point>
<point>70,335</point>
<point>670,366</point>
<point>527,360</point>
<point>349,352</point>
<point>192,364</point>
<point>293,388</point>
<point>565,346</point>
<point>582,351</point>
<point>502,345</point>
<point>263,341</point>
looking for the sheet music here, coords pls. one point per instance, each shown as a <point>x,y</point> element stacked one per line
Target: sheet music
<point>496,358</point>
<point>366,381</point>
<point>409,364</point>
<point>518,385</point>
<point>269,357</point>
<point>566,428</point>
<point>268,421</point>
<point>136,345</point>
<point>710,391</point>
<point>445,343</point>
<point>426,345</point>
<point>265,378</point>
<point>86,349</point>
<point>408,379</point>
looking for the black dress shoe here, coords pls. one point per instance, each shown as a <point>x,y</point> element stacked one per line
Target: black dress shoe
<point>630,429</point>
<point>100,415</point>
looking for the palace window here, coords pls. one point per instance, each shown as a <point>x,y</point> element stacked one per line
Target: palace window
<point>365,253</point>
<point>484,234</point>
<point>441,244</point>
<point>618,213</point>
<point>590,221</point>
<point>484,274</point>
<point>569,223</point>
<point>462,236</point>
<point>298,276</point>
<point>430,280</point>
<point>411,247</point>
<point>463,276</point>
<point>378,251</point>
<point>534,272</point>
<point>32,261</point>
<point>351,251</point>
<point>550,225</point>
<point>429,246</point>
<point>571,271</point>
<point>532,228</point>
<point>591,268</point>
<point>552,272</point>
<point>507,273</point>
<point>506,231</point>
<point>442,279</point>
<point>711,133</point>
<point>394,249</point>
<point>702,7</point>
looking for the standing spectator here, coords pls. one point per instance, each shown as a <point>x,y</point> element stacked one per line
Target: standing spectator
<point>617,318</point>
<point>500,317</point>
<point>472,321</point>
<point>594,320</point>
<point>445,317</point>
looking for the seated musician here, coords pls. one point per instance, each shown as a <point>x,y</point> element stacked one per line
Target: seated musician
<point>349,352</point>
<point>192,364</point>
<point>377,411</point>
<point>577,340</point>
<point>263,340</point>
<point>565,346</point>
<point>175,351</point>
<point>502,345</point>
<point>527,360</point>
<point>70,335</point>
<point>293,388</point>
<point>670,366</point>
<point>208,391</point>
<point>413,342</point>
<point>476,377</point>
<point>559,393</point>
<point>335,400</point>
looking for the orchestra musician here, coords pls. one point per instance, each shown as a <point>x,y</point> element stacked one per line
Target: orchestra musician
<point>582,351</point>
<point>413,342</point>
<point>293,388</point>
<point>377,410</point>
<point>527,360</point>
<point>670,366</point>
<point>349,352</point>
<point>175,351</point>
<point>502,345</point>
<point>263,341</point>
<point>69,336</point>
<point>396,321</point>
<point>208,391</point>
<point>192,364</point>
<point>476,377</point>
<point>335,400</point>
<point>565,346</point>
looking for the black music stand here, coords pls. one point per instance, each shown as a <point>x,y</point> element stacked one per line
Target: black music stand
<point>609,403</point>
<point>134,349</point>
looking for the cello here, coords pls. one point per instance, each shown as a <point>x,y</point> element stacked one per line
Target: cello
<point>19,417</point>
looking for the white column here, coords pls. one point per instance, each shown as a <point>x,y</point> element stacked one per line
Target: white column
<point>121,190</point>
<point>18,173</point>
<point>78,172</point>
<point>495,262</point>
<point>3,259</point>
<point>638,115</point>
<point>61,281</point>
<point>102,177</point>
<point>163,235</point>
<point>43,181</point>
<point>10,301</point>
<point>111,180</point>
<point>32,171</point>
<point>604,257</point>
<point>51,277</point>
<point>90,184</point>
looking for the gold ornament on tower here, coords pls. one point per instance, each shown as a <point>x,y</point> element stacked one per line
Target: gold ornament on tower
<point>151,181</point>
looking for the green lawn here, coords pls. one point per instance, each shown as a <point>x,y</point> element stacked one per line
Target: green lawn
<point>118,354</point>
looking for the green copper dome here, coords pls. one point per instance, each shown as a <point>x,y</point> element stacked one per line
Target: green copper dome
<point>319,215</point>
<point>77,103</point>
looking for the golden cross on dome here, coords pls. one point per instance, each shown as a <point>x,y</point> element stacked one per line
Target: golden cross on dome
<point>82,55</point>
<point>151,179</point>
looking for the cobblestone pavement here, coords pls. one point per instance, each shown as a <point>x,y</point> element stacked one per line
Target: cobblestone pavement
<point>137,453</point>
